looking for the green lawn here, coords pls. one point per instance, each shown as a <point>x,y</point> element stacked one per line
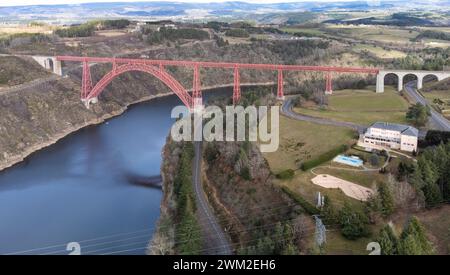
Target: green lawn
<point>338,245</point>
<point>361,106</point>
<point>300,141</point>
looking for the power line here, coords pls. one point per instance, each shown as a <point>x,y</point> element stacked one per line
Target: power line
<point>122,234</point>
<point>138,231</point>
<point>87,240</point>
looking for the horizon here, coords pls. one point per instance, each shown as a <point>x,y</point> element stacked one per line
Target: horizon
<point>7,3</point>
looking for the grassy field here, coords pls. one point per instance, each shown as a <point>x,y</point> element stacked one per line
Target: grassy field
<point>375,33</point>
<point>300,141</point>
<point>378,51</point>
<point>437,223</point>
<point>441,29</point>
<point>6,30</point>
<point>338,245</point>
<point>361,106</point>
<point>440,100</point>
<point>435,43</point>
<point>312,31</point>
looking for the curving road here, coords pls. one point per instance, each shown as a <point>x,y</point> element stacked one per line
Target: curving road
<point>286,110</point>
<point>436,118</point>
<point>216,242</point>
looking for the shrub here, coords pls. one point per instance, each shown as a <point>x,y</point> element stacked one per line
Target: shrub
<point>354,223</point>
<point>245,173</point>
<point>83,30</point>
<point>286,174</point>
<point>374,159</point>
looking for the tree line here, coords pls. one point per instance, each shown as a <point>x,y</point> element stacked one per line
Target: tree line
<point>433,59</point>
<point>430,176</point>
<point>412,240</point>
<point>354,224</point>
<point>418,114</point>
<point>433,35</point>
<point>170,34</point>
<point>187,230</point>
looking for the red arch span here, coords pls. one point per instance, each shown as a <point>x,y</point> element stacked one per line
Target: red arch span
<point>161,74</point>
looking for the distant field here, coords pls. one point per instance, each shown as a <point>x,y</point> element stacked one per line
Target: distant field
<point>375,33</point>
<point>5,31</point>
<point>312,31</point>
<point>441,29</point>
<point>110,33</point>
<point>362,106</point>
<point>435,43</point>
<point>378,51</point>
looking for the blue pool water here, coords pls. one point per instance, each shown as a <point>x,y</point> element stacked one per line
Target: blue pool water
<point>352,161</point>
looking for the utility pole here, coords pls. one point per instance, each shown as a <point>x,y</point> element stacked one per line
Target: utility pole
<point>320,234</point>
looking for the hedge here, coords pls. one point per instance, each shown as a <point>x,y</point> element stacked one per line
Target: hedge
<point>286,174</point>
<point>324,157</point>
<point>308,207</point>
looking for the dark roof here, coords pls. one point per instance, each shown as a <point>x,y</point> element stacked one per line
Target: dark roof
<point>404,129</point>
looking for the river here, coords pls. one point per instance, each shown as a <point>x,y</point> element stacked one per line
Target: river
<point>78,190</point>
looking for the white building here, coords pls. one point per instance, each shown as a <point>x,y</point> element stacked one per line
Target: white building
<point>390,136</point>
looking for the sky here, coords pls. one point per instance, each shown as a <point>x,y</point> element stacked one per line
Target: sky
<point>49,2</point>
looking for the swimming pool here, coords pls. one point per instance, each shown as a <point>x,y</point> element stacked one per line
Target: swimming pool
<point>352,161</point>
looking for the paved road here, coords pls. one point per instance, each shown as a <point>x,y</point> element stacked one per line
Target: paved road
<point>216,242</point>
<point>436,118</point>
<point>286,110</point>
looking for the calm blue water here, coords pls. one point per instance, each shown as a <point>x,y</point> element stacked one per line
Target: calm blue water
<point>78,190</point>
<point>349,160</point>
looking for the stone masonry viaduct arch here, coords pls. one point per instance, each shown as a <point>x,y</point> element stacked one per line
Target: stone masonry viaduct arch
<point>440,75</point>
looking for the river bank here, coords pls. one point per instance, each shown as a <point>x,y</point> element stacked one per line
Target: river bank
<point>27,151</point>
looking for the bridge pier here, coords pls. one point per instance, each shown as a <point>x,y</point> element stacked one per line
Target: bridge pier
<point>88,102</point>
<point>400,83</point>
<point>329,85</point>
<point>280,86</point>
<point>198,105</point>
<point>380,83</point>
<point>50,63</point>
<point>420,81</point>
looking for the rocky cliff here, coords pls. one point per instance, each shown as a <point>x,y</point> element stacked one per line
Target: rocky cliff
<point>38,113</point>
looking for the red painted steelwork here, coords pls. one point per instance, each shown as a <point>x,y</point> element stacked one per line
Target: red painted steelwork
<point>156,68</point>
<point>280,93</point>
<point>236,86</point>
<point>329,85</point>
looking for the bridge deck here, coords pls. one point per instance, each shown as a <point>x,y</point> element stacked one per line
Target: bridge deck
<point>218,64</point>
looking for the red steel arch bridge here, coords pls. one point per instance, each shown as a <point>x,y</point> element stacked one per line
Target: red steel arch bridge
<point>91,91</point>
